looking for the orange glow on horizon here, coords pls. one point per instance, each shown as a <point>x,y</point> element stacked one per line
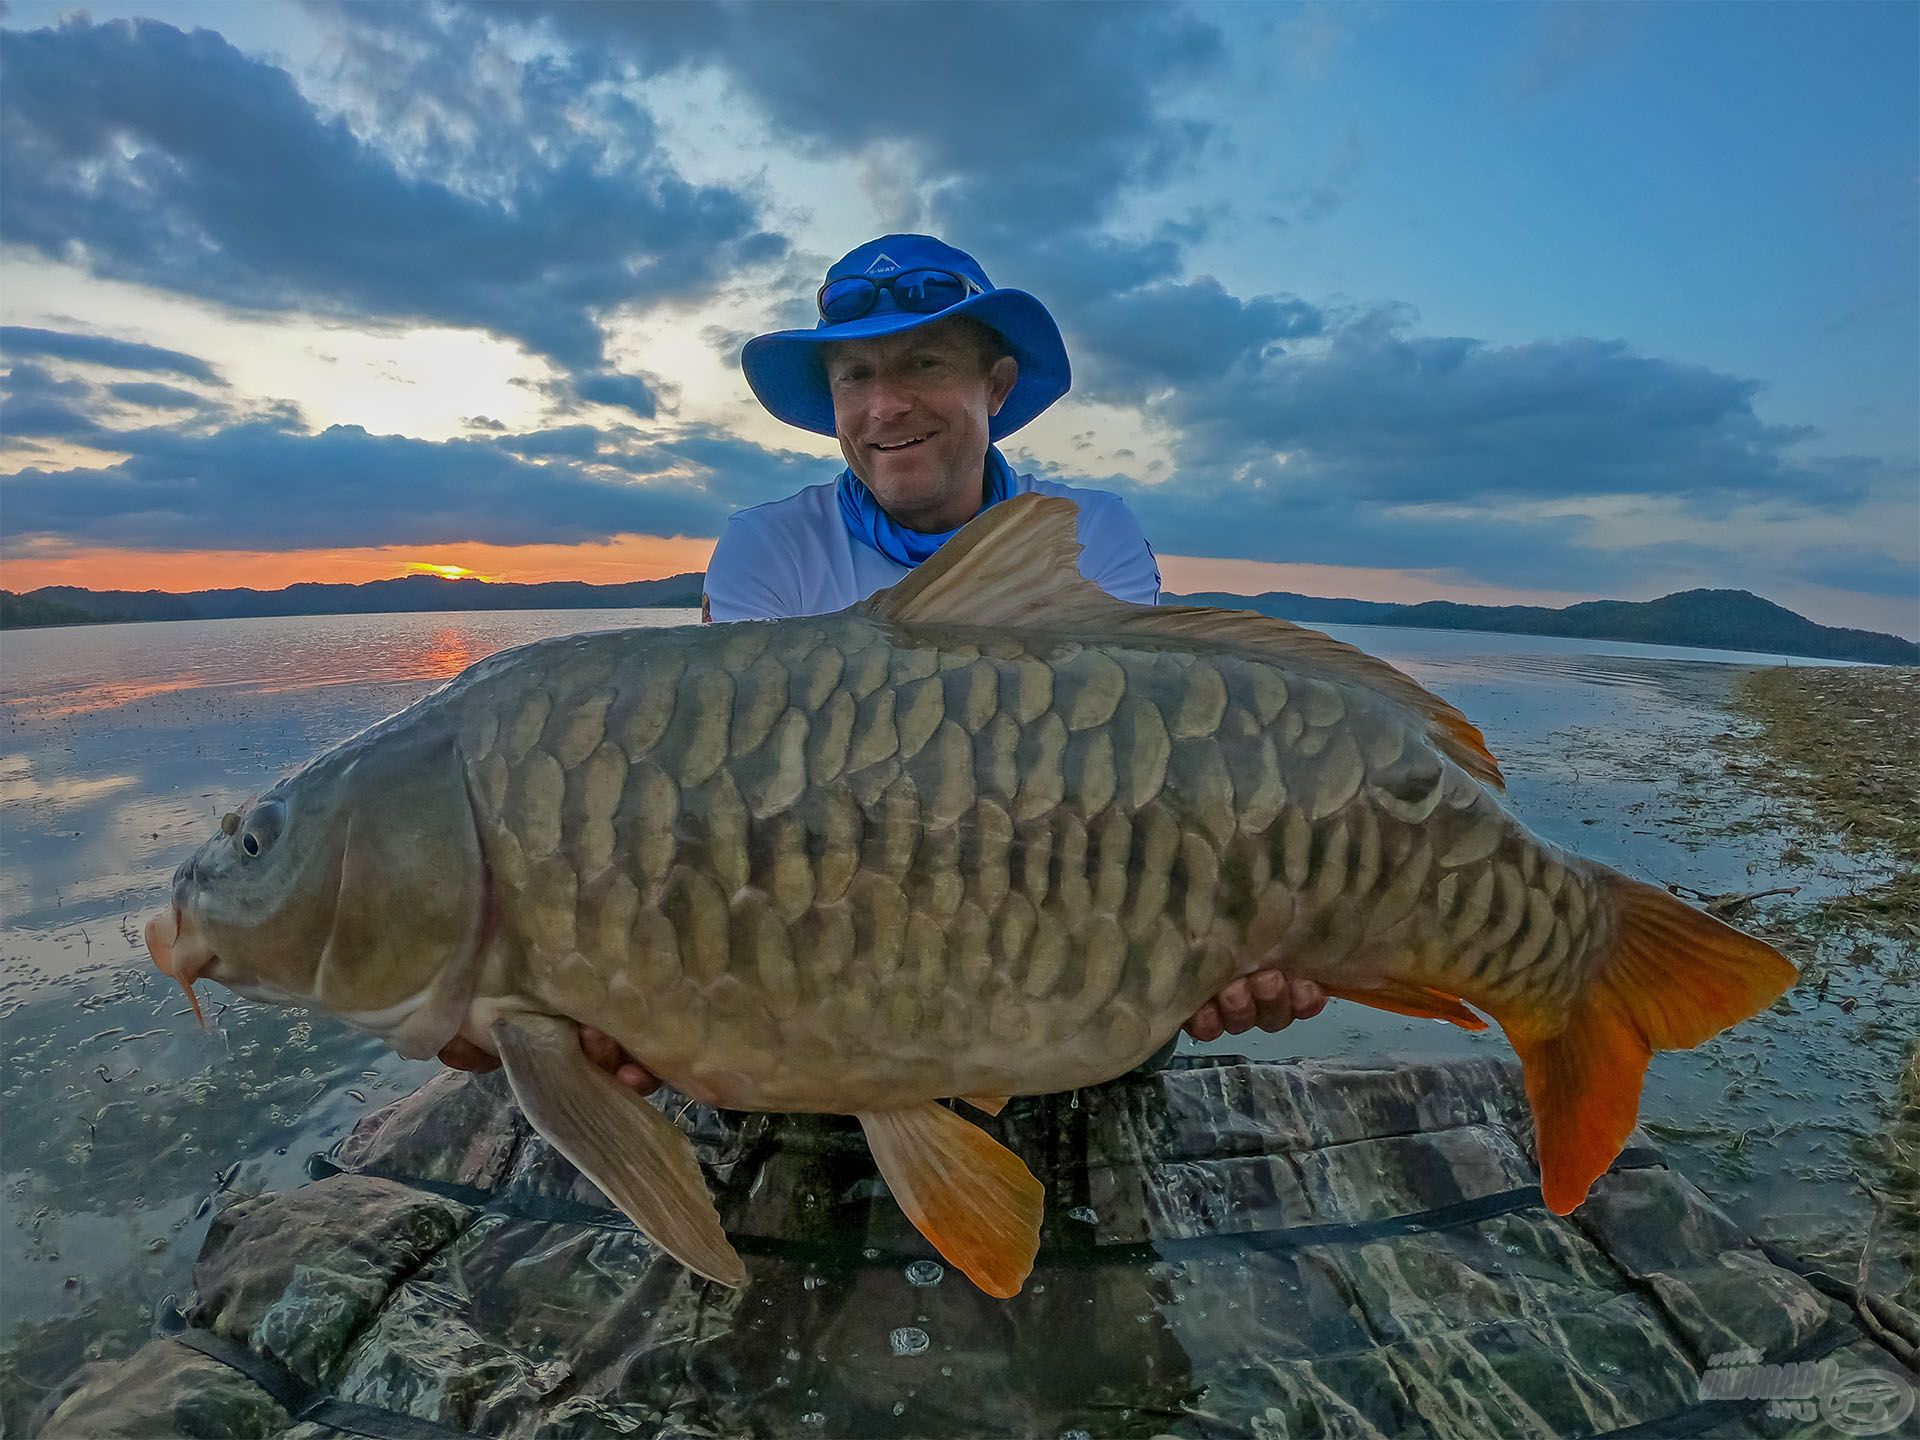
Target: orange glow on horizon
<point>608,562</point>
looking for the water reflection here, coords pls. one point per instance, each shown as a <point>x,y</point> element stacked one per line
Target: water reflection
<point>122,746</point>
<point>57,674</point>
<point>448,654</point>
<point>20,786</point>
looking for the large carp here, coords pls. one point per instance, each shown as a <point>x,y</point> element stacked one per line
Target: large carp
<point>991,832</point>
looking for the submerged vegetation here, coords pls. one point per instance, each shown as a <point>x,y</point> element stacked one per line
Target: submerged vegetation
<point>1847,740</point>
<point>1838,751</point>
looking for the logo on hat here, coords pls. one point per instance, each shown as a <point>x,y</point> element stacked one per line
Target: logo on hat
<point>883,265</point>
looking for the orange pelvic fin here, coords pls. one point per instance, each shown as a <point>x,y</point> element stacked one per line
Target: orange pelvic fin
<point>1402,997</point>
<point>992,1104</point>
<point>967,1193</point>
<point>1675,977</point>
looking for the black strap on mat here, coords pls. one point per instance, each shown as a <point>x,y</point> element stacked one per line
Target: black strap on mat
<point>307,1403</point>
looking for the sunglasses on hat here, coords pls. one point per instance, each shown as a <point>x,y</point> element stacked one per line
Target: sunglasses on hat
<point>924,292</point>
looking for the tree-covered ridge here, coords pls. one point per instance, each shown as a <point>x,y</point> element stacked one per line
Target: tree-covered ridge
<point>406,594</point>
<point>1715,619</point>
<point>1712,619</point>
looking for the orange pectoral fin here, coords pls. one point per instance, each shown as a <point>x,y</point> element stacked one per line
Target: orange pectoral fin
<point>1404,998</point>
<point>973,1198</point>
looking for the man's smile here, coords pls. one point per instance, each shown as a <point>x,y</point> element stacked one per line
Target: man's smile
<point>897,445</point>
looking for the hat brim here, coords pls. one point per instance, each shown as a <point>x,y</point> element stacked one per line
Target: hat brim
<point>785,372</point>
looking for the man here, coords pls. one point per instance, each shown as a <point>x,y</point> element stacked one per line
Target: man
<point>917,366</point>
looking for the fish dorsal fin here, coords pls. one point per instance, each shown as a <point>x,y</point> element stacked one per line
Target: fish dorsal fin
<point>1014,566</point>
<point>1017,566</point>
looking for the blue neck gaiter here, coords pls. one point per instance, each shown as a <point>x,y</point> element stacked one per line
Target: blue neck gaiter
<point>873,527</point>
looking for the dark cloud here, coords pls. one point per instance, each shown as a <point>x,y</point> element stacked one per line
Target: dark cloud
<point>579,442</point>
<point>606,388</point>
<point>24,378</point>
<point>35,401</point>
<point>1171,333</point>
<point>1370,446</point>
<point>40,416</point>
<point>1860,568</point>
<point>1185,516</point>
<point>265,485</point>
<point>1379,416</point>
<point>173,160</point>
<point>155,396</point>
<point>16,340</point>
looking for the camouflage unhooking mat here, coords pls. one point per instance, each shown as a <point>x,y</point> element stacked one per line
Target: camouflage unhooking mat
<point>1231,1249</point>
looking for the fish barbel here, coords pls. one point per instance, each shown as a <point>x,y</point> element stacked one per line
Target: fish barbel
<point>988,833</point>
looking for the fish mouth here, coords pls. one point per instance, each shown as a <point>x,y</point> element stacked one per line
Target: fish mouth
<point>186,960</point>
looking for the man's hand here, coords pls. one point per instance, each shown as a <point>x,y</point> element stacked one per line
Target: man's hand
<point>1265,998</point>
<point>461,1053</point>
<point>605,1052</point>
<point>602,1050</point>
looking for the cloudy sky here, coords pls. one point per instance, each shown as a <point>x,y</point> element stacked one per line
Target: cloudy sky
<point>1392,301</point>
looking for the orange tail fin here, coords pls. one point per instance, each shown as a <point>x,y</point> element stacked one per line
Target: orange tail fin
<point>1674,978</point>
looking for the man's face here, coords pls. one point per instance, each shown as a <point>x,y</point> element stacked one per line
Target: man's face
<point>911,411</point>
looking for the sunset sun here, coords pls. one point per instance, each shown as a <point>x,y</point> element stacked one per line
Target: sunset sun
<point>447,572</point>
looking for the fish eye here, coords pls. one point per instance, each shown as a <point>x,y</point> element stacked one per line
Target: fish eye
<point>262,827</point>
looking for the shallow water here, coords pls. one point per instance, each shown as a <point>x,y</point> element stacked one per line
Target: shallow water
<point>120,746</point>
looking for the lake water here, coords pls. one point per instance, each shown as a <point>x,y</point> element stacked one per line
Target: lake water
<point>124,1124</point>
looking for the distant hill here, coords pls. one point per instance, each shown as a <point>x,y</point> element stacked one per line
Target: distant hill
<point>1714,619</point>
<point>29,610</point>
<point>374,597</point>
<point>1720,619</point>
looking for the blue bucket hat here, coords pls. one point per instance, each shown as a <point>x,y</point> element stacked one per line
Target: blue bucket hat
<point>785,368</point>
